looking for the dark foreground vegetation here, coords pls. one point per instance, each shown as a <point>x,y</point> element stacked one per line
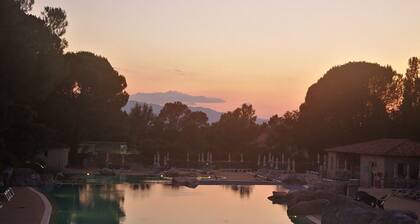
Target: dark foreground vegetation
<point>51,98</point>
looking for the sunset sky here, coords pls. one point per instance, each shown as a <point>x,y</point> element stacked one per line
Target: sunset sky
<point>264,52</point>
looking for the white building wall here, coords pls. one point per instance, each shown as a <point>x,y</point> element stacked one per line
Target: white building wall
<point>372,169</point>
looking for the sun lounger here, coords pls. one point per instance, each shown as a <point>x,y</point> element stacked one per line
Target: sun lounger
<point>6,196</point>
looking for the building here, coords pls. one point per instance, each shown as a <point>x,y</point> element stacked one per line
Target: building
<point>99,154</point>
<point>55,159</point>
<point>377,163</point>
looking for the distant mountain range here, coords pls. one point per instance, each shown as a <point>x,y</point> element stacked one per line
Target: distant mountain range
<point>157,100</point>
<point>211,114</point>
<point>161,98</point>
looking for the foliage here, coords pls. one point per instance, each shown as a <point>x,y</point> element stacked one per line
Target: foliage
<point>348,104</point>
<point>50,98</point>
<point>55,20</point>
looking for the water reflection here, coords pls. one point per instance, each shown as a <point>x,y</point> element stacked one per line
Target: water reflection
<point>140,190</point>
<point>244,191</point>
<point>88,204</point>
<point>140,186</point>
<point>159,203</point>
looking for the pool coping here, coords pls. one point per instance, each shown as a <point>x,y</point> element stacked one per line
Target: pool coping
<point>47,206</point>
<point>313,219</point>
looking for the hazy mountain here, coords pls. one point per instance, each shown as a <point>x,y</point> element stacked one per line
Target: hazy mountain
<point>213,115</point>
<point>157,100</point>
<point>161,98</point>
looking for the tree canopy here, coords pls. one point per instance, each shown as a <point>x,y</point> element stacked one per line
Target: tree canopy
<point>49,97</point>
<point>349,103</point>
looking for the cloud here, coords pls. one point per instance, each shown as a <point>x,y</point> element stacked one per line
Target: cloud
<point>172,96</point>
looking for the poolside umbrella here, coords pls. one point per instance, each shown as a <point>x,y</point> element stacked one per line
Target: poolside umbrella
<point>282,160</point>
<point>325,161</point>
<point>264,163</point>
<point>319,159</point>
<point>396,171</point>
<point>293,166</point>
<point>272,160</point>
<point>258,161</point>
<point>165,162</point>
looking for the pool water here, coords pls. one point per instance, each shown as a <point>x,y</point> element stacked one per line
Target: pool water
<point>160,203</point>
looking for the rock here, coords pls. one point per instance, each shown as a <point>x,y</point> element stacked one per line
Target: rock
<point>338,209</point>
<point>397,217</point>
<point>294,180</point>
<point>330,216</point>
<point>366,215</point>
<point>308,207</point>
<point>357,215</point>
<point>336,187</point>
<point>304,195</point>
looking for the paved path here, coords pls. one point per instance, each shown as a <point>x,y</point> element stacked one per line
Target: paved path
<point>26,207</point>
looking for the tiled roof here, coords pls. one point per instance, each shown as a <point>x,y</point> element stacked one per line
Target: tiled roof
<point>382,147</point>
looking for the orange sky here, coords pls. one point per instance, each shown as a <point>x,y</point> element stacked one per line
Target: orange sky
<point>265,52</point>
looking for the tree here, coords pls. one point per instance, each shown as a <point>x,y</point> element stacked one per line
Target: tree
<point>194,134</point>
<point>140,121</point>
<point>25,5</point>
<point>25,137</point>
<point>236,131</point>
<point>197,119</point>
<point>56,20</point>
<point>30,68</point>
<point>349,104</point>
<point>409,121</point>
<point>173,116</point>
<point>87,103</point>
<point>283,131</point>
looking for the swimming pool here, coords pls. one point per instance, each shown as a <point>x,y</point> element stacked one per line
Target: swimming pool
<point>162,203</point>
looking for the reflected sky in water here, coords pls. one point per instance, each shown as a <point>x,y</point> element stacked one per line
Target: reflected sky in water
<point>158,203</point>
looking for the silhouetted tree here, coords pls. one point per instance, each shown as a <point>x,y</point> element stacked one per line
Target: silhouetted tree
<point>236,131</point>
<point>348,104</point>
<point>173,116</point>
<point>87,103</point>
<point>283,131</point>
<point>30,68</point>
<point>25,5</point>
<point>409,113</point>
<point>56,20</point>
<point>140,121</point>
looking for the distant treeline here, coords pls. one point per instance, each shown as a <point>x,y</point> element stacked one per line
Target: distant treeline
<point>50,98</point>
